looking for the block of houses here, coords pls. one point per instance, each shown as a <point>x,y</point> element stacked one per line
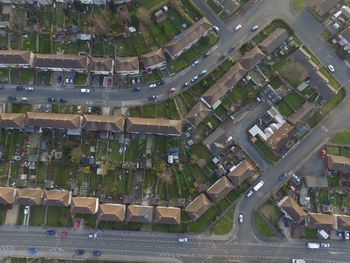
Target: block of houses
<point>188,38</point>
<point>114,123</point>
<point>167,215</point>
<point>16,59</point>
<point>30,196</point>
<point>57,198</point>
<point>274,40</point>
<point>127,65</point>
<point>12,120</point>
<point>153,60</point>
<point>343,222</point>
<point>101,66</point>
<point>302,114</point>
<point>292,209</point>
<point>252,58</point>
<point>278,139</point>
<point>197,114</point>
<point>212,97</point>
<point>112,212</point>
<point>220,189</point>
<point>322,7</point>
<point>154,126</point>
<point>198,206</point>
<point>7,195</point>
<point>53,120</point>
<point>338,163</point>
<point>139,214</point>
<point>320,221</point>
<point>84,205</point>
<point>241,172</point>
<point>65,63</point>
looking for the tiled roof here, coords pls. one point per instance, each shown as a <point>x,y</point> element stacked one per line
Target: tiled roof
<point>84,205</point>
<point>274,40</point>
<point>322,7</point>
<point>30,196</point>
<point>153,126</point>
<point>343,222</point>
<point>197,114</point>
<point>16,57</point>
<point>112,212</point>
<point>7,195</point>
<point>61,61</point>
<point>198,206</point>
<point>153,58</point>
<point>101,64</point>
<point>220,189</point>
<point>12,120</point>
<point>252,58</point>
<point>113,123</point>
<point>301,113</point>
<point>294,211</point>
<point>276,140</point>
<point>321,221</point>
<point>52,120</point>
<point>140,214</point>
<point>338,163</point>
<point>127,63</point>
<point>57,198</point>
<point>167,215</point>
<point>243,171</point>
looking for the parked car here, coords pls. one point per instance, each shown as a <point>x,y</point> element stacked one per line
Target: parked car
<point>296,179</point>
<point>19,88</point>
<point>33,250</point>
<point>286,222</point>
<point>154,97</point>
<point>238,27</point>
<point>185,84</point>
<point>51,99</point>
<point>194,64</point>
<point>79,252</point>
<point>63,100</point>
<point>249,194</point>
<point>222,57</point>
<point>11,98</point>
<point>84,90</point>
<point>182,239</point>
<point>26,210</point>
<point>231,49</point>
<point>216,29</point>
<point>240,218</point>
<point>92,235</point>
<point>136,89</point>
<point>29,89</point>
<point>281,177</point>
<point>51,232</point>
<point>325,245</point>
<point>347,235</point>
<point>202,73</point>
<point>331,68</point>
<point>96,253</point>
<point>152,86</point>
<point>254,28</point>
<point>194,79</point>
<point>171,90</point>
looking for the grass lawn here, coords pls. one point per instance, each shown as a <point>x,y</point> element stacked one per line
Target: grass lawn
<point>222,227</point>
<point>310,233</point>
<point>223,204</point>
<point>27,74</point>
<point>41,172</point>
<point>169,228</point>
<point>43,77</point>
<point>322,196</point>
<point>89,220</point>
<point>37,214</point>
<point>70,48</point>
<point>44,44</point>
<point>21,108</point>
<point>270,211</point>
<point>333,181</point>
<point>80,78</point>
<point>4,74</point>
<point>276,82</point>
<point>45,19</point>
<point>284,108</point>
<point>342,137</point>
<point>202,152</point>
<point>263,227</point>
<point>199,225</point>
<point>134,149</point>
<point>233,195</point>
<point>58,216</point>
<point>265,150</point>
<point>298,4</point>
<point>29,42</point>
<point>294,100</point>
<point>334,150</point>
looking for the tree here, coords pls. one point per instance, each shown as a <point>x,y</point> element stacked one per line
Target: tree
<point>76,154</point>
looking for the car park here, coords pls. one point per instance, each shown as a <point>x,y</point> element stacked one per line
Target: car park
<point>51,99</point>
<point>331,68</point>
<point>79,252</point>
<point>152,86</point>
<point>254,28</point>
<point>325,245</point>
<point>171,90</point>
<point>182,239</point>
<point>29,88</point>
<point>11,98</point>
<point>154,97</point>
<point>240,218</point>
<point>238,27</point>
<point>84,90</point>
<point>63,100</point>
<point>194,64</point>
<point>51,232</point>
<point>96,253</point>
<point>33,250</point>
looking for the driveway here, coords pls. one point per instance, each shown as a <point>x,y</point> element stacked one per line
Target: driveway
<point>12,215</point>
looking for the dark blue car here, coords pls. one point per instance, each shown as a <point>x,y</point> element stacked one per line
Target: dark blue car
<point>96,253</point>
<point>51,232</point>
<point>79,252</point>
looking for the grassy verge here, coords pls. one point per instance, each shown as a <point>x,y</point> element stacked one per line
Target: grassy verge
<point>222,227</point>
<point>332,81</point>
<point>310,233</point>
<point>265,151</point>
<point>342,137</point>
<point>298,5</point>
<point>263,227</point>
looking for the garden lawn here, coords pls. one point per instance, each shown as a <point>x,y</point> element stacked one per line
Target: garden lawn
<point>44,44</point>
<point>37,214</point>
<point>294,100</point>
<point>271,212</point>
<point>342,137</point>
<point>222,227</point>
<point>58,216</point>
<point>263,227</point>
<point>265,150</point>
<point>284,108</point>
<point>332,81</point>
<point>310,233</point>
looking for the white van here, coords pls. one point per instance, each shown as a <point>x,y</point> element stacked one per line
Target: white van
<point>323,234</point>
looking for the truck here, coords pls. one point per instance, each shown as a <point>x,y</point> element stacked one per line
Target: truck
<point>313,245</point>
<point>258,186</point>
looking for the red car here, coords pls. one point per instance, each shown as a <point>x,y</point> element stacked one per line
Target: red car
<point>323,154</point>
<point>62,234</point>
<point>171,90</point>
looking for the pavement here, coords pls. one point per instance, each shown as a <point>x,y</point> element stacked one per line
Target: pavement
<point>244,244</point>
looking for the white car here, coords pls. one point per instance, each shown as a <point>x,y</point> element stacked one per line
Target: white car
<point>331,68</point>
<point>152,86</point>
<point>85,90</point>
<point>249,194</point>
<point>238,27</point>
<point>93,235</point>
<point>26,210</point>
<point>194,79</point>
<point>24,99</point>
<point>216,29</point>
<point>194,64</point>
<point>325,245</point>
<point>182,239</point>
<point>240,218</point>
<point>29,89</point>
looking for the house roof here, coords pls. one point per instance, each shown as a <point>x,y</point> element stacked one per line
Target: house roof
<point>190,35</point>
<point>127,63</point>
<point>343,222</point>
<point>322,7</point>
<point>252,58</point>
<point>346,34</point>
<point>338,163</point>
<point>112,212</point>
<point>57,198</point>
<point>60,61</point>
<point>197,114</point>
<point>153,58</point>
<point>293,210</point>
<point>113,123</point>
<point>301,113</point>
<point>198,206</point>
<point>30,196</point>
<point>167,215</point>
<point>276,140</point>
<point>12,120</point>
<point>138,213</point>
<point>84,205</point>
<point>274,40</point>
<point>224,84</point>
<point>7,195</point>
<point>15,57</point>
<point>243,171</point>
<point>101,64</point>
<point>320,221</point>
<point>220,189</point>
<point>52,120</point>
<point>153,126</point>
